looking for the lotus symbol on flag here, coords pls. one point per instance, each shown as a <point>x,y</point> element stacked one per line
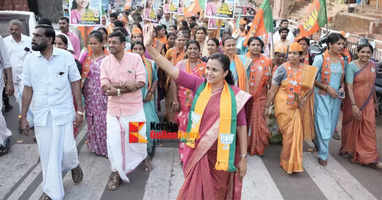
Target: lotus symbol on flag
<point>310,20</point>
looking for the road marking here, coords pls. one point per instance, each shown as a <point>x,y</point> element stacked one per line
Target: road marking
<point>79,142</point>
<point>15,166</point>
<point>96,174</point>
<point>27,181</point>
<point>168,179</point>
<point>158,183</point>
<point>258,182</point>
<point>335,181</point>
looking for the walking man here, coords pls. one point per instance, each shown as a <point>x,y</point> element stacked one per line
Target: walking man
<point>122,77</point>
<point>5,64</point>
<point>51,78</point>
<point>18,46</point>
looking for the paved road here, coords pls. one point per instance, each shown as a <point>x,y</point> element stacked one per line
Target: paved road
<point>20,175</point>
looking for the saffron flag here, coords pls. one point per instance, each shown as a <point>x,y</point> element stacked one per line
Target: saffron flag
<point>263,21</point>
<point>315,19</point>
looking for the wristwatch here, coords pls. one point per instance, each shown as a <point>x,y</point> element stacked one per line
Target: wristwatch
<point>118,92</point>
<point>80,113</point>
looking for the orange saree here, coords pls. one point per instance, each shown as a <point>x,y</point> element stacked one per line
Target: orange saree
<point>291,114</point>
<point>259,75</point>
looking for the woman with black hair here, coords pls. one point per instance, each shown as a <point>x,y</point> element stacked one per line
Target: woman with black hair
<point>104,35</point>
<point>328,93</point>
<point>259,76</point>
<point>305,43</point>
<point>212,48</point>
<point>216,130</point>
<point>95,99</point>
<point>192,65</point>
<point>359,140</point>
<point>291,92</point>
<point>148,94</point>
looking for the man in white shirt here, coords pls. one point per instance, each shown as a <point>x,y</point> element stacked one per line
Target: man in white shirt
<point>283,42</point>
<point>5,65</point>
<point>18,46</point>
<point>167,20</point>
<point>51,80</point>
<point>284,24</point>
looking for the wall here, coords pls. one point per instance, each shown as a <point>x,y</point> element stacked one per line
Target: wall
<point>14,5</point>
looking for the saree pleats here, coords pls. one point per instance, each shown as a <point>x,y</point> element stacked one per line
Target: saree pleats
<point>359,136</point>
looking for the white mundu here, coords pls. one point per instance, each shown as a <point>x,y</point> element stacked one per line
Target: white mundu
<point>124,156</point>
<point>4,63</point>
<point>53,115</point>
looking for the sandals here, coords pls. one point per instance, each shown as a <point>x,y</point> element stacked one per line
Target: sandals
<point>377,165</point>
<point>44,197</point>
<point>4,149</point>
<point>322,162</point>
<point>77,175</point>
<point>114,181</point>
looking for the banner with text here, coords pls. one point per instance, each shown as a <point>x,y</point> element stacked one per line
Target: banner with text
<point>220,9</point>
<point>86,13</point>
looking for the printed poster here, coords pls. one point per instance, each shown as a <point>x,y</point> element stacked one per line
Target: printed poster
<point>105,7</point>
<point>85,12</point>
<point>221,9</point>
<point>151,6</point>
<point>66,8</point>
<point>213,24</point>
<point>190,7</point>
<point>171,6</point>
<point>181,7</point>
<point>244,11</point>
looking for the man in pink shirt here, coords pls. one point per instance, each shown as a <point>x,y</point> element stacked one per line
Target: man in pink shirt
<point>63,23</point>
<point>122,77</point>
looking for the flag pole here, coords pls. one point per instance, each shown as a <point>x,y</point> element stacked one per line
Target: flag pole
<point>271,47</point>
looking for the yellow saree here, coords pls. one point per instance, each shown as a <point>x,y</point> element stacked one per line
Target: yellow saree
<point>295,120</point>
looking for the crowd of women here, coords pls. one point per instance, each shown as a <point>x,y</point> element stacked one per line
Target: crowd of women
<point>204,79</point>
<point>236,98</point>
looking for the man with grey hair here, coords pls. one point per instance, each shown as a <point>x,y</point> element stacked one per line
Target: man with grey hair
<point>18,46</point>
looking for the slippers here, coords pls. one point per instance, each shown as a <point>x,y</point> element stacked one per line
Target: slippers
<point>4,149</point>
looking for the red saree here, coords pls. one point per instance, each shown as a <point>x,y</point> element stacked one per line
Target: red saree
<point>259,76</point>
<point>202,181</point>
<point>359,136</point>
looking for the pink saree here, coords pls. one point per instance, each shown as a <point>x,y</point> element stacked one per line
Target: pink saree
<point>359,136</point>
<point>202,181</point>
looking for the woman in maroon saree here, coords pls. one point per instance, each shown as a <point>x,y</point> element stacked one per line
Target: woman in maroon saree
<point>359,127</point>
<point>202,180</point>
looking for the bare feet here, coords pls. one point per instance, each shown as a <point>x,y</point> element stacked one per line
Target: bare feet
<point>147,165</point>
